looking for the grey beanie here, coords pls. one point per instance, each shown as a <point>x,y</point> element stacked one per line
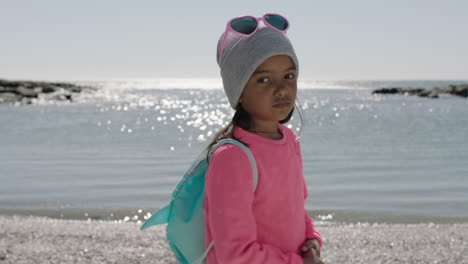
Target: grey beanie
<point>242,56</point>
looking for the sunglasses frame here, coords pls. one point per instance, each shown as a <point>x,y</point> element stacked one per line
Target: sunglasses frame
<point>258,19</point>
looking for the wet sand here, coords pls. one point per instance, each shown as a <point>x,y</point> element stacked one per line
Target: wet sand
<point>32,239</point>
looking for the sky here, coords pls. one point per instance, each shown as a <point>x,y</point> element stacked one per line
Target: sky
<point>334,40</point>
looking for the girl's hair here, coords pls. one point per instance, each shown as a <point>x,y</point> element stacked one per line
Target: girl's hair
<point>241,119</point>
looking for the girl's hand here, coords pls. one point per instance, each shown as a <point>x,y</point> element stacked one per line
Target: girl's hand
<point>310,247</point>
<point>313,259</point>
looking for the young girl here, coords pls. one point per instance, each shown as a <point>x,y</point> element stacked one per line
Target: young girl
<point>259,69</point>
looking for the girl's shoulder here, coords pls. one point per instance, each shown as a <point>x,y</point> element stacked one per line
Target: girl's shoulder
<point>229,152</point>
<point>292,138</point>
<point>289,132</point>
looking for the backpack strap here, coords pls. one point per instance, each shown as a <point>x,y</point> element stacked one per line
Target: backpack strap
<point>246,150</point>
<point>202,258</point>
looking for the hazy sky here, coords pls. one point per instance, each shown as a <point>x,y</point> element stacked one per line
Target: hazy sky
<point>353,39</point>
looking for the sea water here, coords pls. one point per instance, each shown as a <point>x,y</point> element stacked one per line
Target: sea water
<point>121,150</point>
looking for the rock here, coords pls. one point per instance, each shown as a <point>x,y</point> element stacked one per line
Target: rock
<point>28,92</point>
<point>413,91</point>
<point>431,93</point>
<point>49,89</point>
<point>459,90</point>
<point>397,90</point>
<point>387,91</point>
<point>7,89</point>
<point>8,97</point>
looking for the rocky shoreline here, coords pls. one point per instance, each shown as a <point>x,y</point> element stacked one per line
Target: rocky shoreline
<point>458,90</point>
<point>29,92</point>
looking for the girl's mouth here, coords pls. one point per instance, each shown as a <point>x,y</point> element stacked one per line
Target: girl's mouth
<point>282,105</point>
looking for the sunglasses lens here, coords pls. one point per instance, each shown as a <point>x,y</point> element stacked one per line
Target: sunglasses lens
<point>244,25</point>
<point>277,21</point>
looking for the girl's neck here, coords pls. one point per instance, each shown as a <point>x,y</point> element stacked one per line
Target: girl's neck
<point>268,130</point>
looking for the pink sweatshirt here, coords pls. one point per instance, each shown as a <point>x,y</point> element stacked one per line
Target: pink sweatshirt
<point>268,226</point>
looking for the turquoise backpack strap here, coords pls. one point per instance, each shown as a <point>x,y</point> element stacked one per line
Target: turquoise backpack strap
<point>243,147</point>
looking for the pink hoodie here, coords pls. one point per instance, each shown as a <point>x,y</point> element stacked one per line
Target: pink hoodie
<point>267,226</point>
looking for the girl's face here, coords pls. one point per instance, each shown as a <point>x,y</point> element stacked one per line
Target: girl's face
<point>270,93</point>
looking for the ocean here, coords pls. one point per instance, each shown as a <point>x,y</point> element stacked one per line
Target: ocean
<point>118,153</point>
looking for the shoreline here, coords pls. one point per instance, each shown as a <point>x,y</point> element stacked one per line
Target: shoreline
<point>33,239</point>
<point>324,216</point>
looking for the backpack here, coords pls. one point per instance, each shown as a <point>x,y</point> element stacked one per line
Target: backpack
<point>185,216</point>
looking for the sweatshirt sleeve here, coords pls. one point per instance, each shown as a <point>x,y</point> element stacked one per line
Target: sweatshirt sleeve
<point>230,195</point>
<point>311,232</point>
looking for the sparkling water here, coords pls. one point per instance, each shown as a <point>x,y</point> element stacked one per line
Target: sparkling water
<point>124,148</point>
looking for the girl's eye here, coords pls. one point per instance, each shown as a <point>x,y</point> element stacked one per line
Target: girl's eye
<point>263,80</point>
<point>290,76</point>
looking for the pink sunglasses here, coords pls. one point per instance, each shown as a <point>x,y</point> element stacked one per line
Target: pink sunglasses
<point>247,26</point>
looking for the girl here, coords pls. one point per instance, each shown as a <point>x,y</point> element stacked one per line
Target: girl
<point>259,69</point>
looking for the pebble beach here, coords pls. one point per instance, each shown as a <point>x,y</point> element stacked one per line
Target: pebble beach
<point>34,239</point>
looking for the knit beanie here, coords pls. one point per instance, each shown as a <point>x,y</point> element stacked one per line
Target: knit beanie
<point>242,55</point>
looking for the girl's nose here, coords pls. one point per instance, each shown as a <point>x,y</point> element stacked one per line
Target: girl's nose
<point>282,88</point>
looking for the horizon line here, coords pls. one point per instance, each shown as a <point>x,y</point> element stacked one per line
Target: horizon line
<point>219,79</point>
